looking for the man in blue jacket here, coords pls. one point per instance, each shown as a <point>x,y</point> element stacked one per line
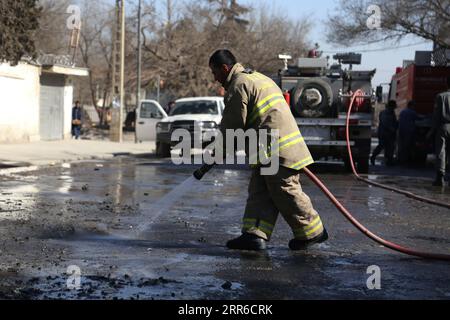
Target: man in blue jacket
<point>387,133</point>
<point>406,132</point>
<point>76,120</point>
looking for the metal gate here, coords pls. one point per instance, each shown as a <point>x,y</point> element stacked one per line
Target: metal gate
<point>51,114</point>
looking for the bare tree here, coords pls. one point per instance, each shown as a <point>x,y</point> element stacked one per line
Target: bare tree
<point>95,52</point>
<point>428,19</point>
<point>178,48</point>
<point>270,34</point>
<point>18,25</point>
<point>177,43</point>
<point>53,34</point>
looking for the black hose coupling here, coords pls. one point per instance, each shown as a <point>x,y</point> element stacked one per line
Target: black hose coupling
<point>202,171</point>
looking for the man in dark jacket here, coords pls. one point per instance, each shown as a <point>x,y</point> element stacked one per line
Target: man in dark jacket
<point>387,132</point>
<point>441,130</point>
<point>406,132</point>
<point>76,120</point>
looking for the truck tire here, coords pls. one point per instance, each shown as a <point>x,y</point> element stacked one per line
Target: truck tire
<point>313,98</point>
<point>162,150</point>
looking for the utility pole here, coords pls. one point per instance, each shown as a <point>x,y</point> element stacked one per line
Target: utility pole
<point>158,87</point>
<point>139,63</point>
<point>117,96</point>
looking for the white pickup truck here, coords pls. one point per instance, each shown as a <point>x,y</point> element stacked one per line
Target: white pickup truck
<point>148,115</point>
<point>197,115</point>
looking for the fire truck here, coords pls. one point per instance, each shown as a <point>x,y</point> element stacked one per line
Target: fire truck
<point>421,82</point>
<point>319,97</point>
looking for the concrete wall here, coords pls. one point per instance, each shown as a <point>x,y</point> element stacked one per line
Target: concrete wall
<point>19,103</point>
<point>68,104</point>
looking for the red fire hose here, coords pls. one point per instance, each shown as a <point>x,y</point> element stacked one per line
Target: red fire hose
<point>357,95</point>
<point>426,255</point>
<point>367,232</point>
<point>356,223</point>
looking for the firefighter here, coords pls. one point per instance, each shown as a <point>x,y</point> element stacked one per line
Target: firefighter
<point>406,132</point>
<point>387,132</point>
<point>441,130</point>
<point>254,101</point>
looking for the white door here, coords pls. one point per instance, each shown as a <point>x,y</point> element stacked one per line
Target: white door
<point>148,115</point>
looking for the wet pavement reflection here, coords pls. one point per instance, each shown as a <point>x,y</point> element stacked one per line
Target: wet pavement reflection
<point>143,229</point>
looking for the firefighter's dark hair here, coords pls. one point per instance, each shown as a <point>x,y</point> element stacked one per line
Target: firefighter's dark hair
<point>448,82</point>
<point>221,57</point>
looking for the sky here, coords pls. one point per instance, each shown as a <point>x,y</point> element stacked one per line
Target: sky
<point>384,61</point>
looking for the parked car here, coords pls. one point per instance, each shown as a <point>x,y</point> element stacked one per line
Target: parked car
<point>197,115</point>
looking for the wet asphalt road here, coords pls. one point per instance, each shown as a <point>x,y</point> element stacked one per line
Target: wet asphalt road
<point>132,234</point>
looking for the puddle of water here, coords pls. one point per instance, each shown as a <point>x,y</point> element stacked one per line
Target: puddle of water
<point>12,171</point>
<point>14,215</point>
<point>66,184</point>
<point>162,205</point>
<point>377,205</point>
<point>342,262</point>
<point>23,189</point>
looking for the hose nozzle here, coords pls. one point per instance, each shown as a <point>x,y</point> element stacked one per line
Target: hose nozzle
<point>202,171</point>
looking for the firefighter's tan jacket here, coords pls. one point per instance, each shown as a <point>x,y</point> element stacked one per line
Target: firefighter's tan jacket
<point>254,101</point>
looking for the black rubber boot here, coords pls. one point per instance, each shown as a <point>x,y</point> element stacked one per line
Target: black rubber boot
<point>296,244</point>
<point>247,242</point>
<point>440,180</point>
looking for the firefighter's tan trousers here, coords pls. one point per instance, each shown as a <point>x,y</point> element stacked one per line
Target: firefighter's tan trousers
<point>280,193</point>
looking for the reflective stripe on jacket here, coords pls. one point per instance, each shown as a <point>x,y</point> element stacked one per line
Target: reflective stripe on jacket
<point>254,101</point>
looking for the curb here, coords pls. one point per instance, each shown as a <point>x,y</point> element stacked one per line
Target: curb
<point>28,167</point>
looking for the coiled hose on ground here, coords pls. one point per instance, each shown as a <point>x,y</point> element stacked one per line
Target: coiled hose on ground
<point>393,246</point>
<point>356,223</point>
<point>379,185</point>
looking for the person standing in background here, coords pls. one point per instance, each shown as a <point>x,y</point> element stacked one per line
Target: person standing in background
<point>387,134</point>
<point>441,130</point>
<point>76,120</point>
<point>406,132</point>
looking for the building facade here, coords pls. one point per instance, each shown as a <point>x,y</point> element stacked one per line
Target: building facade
<point>36,101</point>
